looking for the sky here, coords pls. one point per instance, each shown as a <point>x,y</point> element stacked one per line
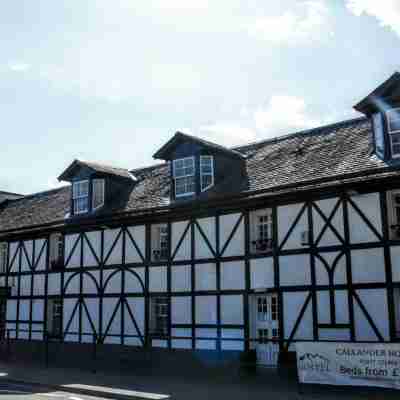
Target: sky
<point>112,80</point>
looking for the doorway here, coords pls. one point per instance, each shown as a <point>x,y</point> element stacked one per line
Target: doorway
<point>266,328</point>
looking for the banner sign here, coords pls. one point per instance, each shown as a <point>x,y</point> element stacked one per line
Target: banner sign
<point>356,364</point>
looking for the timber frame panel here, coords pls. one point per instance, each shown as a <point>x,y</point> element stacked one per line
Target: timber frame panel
<point>101,274</point>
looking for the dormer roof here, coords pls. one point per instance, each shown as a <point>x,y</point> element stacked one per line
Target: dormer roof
<point>70,172</point>
<point>377,99</point>
<point>164,152</point>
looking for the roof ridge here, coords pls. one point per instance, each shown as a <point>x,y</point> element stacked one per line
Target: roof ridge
<point>303,132</point>
<point>12,193</point>
<point>100,164</point>
<point>40,193</point>
<point>154,166</point>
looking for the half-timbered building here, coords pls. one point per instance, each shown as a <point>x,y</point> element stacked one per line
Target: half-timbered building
<point>216,250</point>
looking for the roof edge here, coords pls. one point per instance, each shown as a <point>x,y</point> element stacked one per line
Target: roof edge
<point>337,180</point>
<point>305,132</point>
<point>161,152</point>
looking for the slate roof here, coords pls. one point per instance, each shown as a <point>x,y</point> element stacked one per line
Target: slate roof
<point>179,136</point>
<point>319,157</point>
<point>101,168</point>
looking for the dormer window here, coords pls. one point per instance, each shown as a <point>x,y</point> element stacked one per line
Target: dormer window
<point>206,172</point>
<point>197,165</point>
<point>98,193</point>
<point>379,134</point>
<point>80,196</point>
<point>184,176</point>
<point>393,121</point>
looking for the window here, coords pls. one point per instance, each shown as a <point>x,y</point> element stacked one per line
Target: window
<point>393,120</point>
<point>97,193</point>
<point>393,200</point>
<point>184,176</point>
<point>160,316</point>
<point>80,196</point>
<point>160,242</point>
<point>3,257</point>
<point>261,234</point>
<point>206,172</point>
<point>56,251</point>
<point>378,134</point>
<point>274,308</point>
<point>55,317</point>
<point>262,308</point>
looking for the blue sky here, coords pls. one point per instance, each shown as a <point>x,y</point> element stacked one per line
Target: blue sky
<point>112,80</point>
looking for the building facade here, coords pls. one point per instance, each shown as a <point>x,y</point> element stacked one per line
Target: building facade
<point>216,249</point>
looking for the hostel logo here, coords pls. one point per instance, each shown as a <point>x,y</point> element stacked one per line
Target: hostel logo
<point>313,362</point>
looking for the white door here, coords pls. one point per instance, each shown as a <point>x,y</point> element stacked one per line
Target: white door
<point>267,328</point>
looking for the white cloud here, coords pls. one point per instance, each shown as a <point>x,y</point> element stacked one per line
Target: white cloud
<point>19,66</point>
<point>228,133</point>
<point>284,112</point>
<point>307,21</point>
<point>387,12</point>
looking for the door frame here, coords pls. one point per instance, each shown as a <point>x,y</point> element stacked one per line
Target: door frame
<point>253,319</point>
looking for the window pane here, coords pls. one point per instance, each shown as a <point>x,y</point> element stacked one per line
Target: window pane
<point>80,189</point>
<point>206,164</point>
<point>394,119</point>
<point>183,167</point>
<point>80,205</point>
<point>3,257</point>
<point>206,172</point>
<point>160,316</point>
<point>98,193</point>
<point>206,181</point>
<point>395,139</point>
<point>184,186</point>
<point>378,131</point>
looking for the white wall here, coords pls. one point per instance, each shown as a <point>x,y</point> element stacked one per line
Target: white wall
<point>205,277</point>
<point>183,252</point>
<point>368,265</point>
<point>181,278</point>
<point>262,273</point>
<point>369,204</point>
<point>286,218</point>
<point>232,275</point>
<point>236,244</point>
<point>203,249</point>
<point>295,270</point>
<point>329,237</point>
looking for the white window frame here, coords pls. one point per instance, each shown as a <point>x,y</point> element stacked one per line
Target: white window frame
<point>378,125</point>
<point>56,242</point>
<point>254,220</point>
<point>159,236</point>
<point>396,132</point>
<point>74,197</point>
<point>3,257</point>
<point>159,303</point>
<point>392,215</point>
<point>207,174</point>
<point>94,181</point>
<point>51,315</point>
<point>184,176</point>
